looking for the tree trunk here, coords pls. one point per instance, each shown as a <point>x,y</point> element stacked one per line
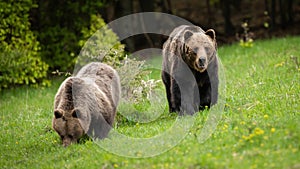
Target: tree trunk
<point>273,14</point>
<point>209,14</point>
<point>290,12</point>
<point>229,29</point>
<point>167,6</point>
<point>123,8</point>
<point>282,10</point>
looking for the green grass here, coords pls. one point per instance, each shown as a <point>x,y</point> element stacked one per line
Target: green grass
<point>259,127</point>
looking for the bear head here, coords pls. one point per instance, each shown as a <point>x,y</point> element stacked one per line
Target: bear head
<point>68,126</point>
<point>199,48</point>
<point>68,121</point>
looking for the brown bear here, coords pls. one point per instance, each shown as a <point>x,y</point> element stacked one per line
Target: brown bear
<point>86,103</point>
<point>190,69</point>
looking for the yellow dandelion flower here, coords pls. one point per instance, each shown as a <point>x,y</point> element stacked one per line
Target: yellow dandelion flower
<point>254,166</point>
<point>225,126</point>
<point>251,136</point>
<point>273,130</point>
<point>258,131</point>
<point>245,137</point>
<point>266,116</point>
<point>279,64</point>
<point>294,150</point>
<point>242,123</point>
<point>167,165</point>
<point>116,165</point>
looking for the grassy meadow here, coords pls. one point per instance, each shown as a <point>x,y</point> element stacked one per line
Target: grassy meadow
<point>259,128</point>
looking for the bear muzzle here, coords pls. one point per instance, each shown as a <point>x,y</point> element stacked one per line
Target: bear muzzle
<point>201,64</point>
<point>67,141</point>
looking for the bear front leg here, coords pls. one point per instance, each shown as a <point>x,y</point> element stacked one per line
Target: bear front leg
<point>190,101</point>
<point>183,85</point>
<point>167,82</point>
<point>214,81</point>
<point>214,89</point>
<point>175,96</point>
<point>99,127</point>
<point>205,96</point>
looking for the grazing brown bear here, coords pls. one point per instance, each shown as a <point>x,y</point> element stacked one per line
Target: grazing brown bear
<point>86,103</point>
<point>190,69</point>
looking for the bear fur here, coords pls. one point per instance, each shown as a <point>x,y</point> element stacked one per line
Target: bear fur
<point>190,69</point>
<point>86,103</point>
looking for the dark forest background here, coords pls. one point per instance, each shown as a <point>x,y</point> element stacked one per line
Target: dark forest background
<point>39,37</point>
<point>265,18</point>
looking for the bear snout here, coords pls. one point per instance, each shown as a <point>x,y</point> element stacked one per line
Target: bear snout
<point>66,141</point>
<point>201,62</point>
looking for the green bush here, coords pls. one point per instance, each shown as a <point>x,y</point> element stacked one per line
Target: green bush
<point>20,62</point>
<point>18,67</point>
<point>59,26</point>
<point>100,44</point>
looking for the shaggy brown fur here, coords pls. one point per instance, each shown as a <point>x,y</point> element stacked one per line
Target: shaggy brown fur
<point>86,103</point>
<point>190,69</point>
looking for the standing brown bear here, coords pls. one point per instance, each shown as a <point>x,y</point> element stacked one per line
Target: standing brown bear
<point>190,69</point>
<point>86,103</point>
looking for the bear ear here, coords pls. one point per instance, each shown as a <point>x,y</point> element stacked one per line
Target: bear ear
<point>187,34</point>
<point>76,113</point>
<point>57,114</point>
<point>211,33</point>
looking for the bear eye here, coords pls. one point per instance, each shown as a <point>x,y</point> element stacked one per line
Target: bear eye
<point>70,136</point>
<point>192,52</point>
<point>207,50</point>
<point>196,50</point>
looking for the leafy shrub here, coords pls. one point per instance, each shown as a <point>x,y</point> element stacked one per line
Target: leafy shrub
<point>59,25</point>
<point>19,49</point>
<point>136,86</point>
<point>140,94</point>
<point>18,67</point>
<point>100,44</point>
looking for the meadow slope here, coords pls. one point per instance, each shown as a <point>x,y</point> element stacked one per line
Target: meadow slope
<point>259,127</point>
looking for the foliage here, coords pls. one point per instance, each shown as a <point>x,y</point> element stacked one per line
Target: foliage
<point>20,62</point>
<point>17,68</point>
<point>100,44</point>
<point>60,26</point>
<point>259,126</point>
<point>136,87</point>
